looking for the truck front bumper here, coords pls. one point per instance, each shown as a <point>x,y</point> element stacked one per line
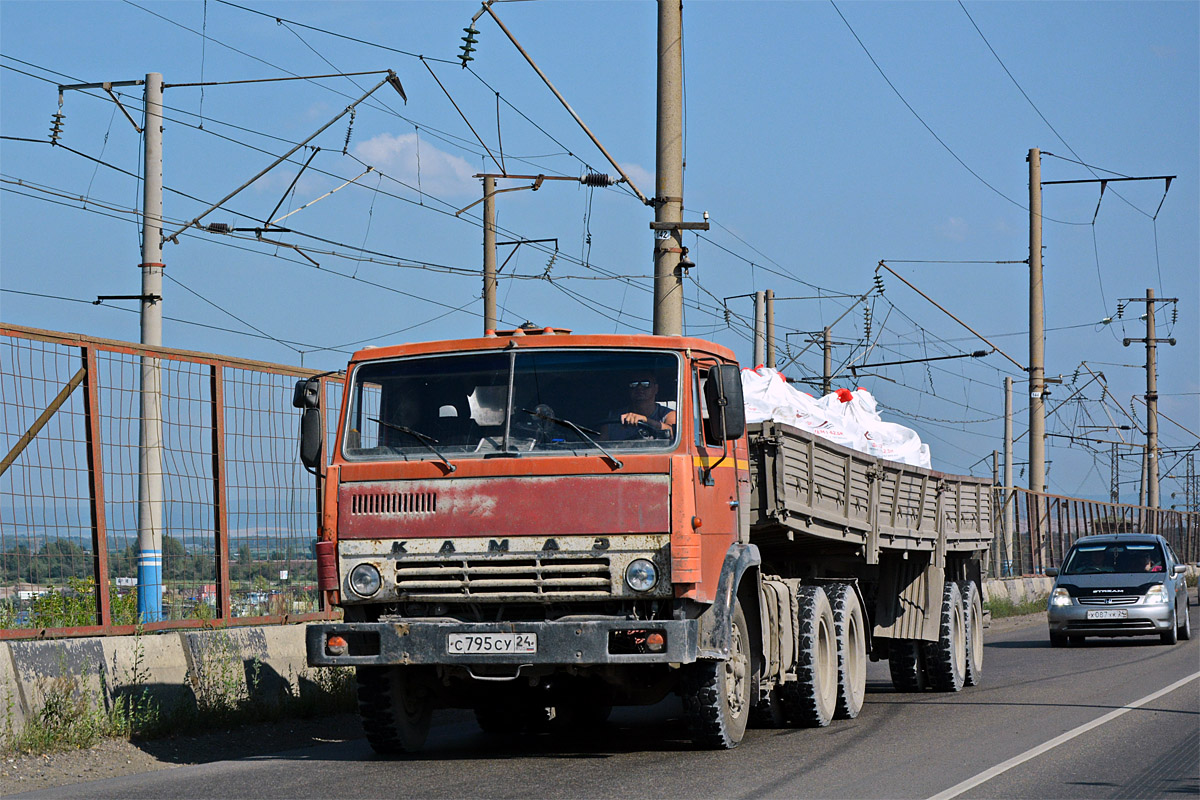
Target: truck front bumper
<point>578,643</point>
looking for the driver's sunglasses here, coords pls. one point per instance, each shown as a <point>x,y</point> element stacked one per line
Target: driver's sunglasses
<point>640,384</point>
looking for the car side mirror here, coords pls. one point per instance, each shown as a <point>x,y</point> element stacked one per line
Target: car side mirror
<point>726,409</point>
<point>1051,572</point>
<point>307,396</point>
<point>1180,569</point>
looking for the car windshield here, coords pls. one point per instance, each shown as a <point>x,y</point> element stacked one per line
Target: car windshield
<point>1114,557</point>
<point>513,403</point>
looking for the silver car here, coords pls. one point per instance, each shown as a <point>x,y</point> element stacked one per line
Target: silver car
<point>1126,584</point>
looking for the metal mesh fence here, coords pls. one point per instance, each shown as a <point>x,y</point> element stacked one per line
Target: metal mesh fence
<point>237,516</point>
<point>1035,530</point>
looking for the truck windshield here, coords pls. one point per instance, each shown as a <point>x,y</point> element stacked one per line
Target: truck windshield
<point>513,403</point>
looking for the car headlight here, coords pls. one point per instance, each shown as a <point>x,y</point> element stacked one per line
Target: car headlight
<point>641,575</point>
<point>365,580</point>
<point>1060,597</point>
<point>1156,594</point>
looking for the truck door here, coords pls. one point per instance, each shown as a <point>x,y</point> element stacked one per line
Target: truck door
<point>716,484</point>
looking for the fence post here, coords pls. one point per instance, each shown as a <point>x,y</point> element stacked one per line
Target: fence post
<point>95,461</point>
<point>223,597</point>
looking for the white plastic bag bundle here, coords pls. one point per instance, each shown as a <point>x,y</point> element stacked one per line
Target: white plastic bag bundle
<point>847,417</point>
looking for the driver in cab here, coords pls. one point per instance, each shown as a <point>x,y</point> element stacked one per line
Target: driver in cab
<point>645,417</point>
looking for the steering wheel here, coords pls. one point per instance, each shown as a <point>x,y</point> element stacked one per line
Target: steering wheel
<point>531,426</point>
<point>644,431</point>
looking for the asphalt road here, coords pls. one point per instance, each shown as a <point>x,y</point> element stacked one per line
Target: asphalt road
<point>1116,718</point>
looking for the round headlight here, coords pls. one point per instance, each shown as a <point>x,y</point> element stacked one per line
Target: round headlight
<point>641,575</point>
<point>365,580</point>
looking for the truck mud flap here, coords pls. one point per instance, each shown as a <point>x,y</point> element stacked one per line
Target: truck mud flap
<point>715,622</point>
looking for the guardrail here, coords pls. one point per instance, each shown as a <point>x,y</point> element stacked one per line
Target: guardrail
<point>1035,530</point>
<point>238,509</point>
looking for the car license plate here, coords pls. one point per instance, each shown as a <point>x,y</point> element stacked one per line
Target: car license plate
<point>491,643</point>
<point>1108,613</point>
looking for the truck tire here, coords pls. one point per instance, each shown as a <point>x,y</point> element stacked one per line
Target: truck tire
<point>811,700</point>
<point>849,628</point>
<point>395,706</point>
<point>907,663</point>
<point>716,694</point>
<point>973,617</point>
<point>946,659</point>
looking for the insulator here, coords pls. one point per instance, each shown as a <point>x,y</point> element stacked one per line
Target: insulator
<point>217,227</point>
<point>728,317</point>
<point>56,126</point>
<point>879,283</point>
<point>466,47</point>
<point>349,131</point>
<point>1174,315</point>
<point>1120,310</point>
<point>597,179</point>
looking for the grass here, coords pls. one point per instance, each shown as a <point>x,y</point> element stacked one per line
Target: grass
<point>1003,607</point>
<point>228,692</point>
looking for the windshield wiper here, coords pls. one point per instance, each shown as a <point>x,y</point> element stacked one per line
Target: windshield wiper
<point>566,423</point>
<point>423,438</point>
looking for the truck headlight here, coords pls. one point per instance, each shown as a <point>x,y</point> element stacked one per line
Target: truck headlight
<point>1155,595</point>
<point>365,580</point>
<point>641,575</point>
<point>1060,597</point>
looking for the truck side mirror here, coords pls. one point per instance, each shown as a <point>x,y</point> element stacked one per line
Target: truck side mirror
<point>307,396</point>
<point>726,409</point>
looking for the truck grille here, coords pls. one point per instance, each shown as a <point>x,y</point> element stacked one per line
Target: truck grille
<point>504,578</point>
<point>393,503</point>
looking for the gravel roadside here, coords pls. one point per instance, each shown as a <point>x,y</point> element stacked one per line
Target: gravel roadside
<point>114,757</point>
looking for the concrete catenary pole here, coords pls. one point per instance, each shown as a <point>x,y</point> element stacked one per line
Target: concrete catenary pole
<point>489,253</point>
<point>668,198</point>
<point>150,443</point>
<point>1009,499</point>
<point>1151,406</point>
<point>771,328</point>
<point>760,328</point>
<point>1037,322</point>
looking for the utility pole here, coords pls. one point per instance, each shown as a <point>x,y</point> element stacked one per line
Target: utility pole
<point>1150,461</point>
<point>771,328</point>
<point>827,371</point>
<point>1008,472</point>
<point>150,477</point>
<point>1037,322</point>
<point>668,188</point>
<point>489,253</point>
<point>760,328</point>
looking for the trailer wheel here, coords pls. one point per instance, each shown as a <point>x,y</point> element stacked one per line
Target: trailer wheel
<point>395,706</point>
<point>973,616</point>
<point>811,699</point>
<point>716,694</point>
<point>850,631</point>
<point>946,659</point>
<point>907,663</point>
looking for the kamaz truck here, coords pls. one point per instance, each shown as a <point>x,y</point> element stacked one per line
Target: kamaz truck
<point>503,535</point>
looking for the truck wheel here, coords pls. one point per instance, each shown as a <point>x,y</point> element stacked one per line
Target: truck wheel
<point>907,663</point>
<point>811,699</point>
<point>973,616</point>
<point>946,659</point>
<point>716,694</point>
<point>395,706</point>
<point>850,631</point>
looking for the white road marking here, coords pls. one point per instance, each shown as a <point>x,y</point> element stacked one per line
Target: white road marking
<point>1005,766</point>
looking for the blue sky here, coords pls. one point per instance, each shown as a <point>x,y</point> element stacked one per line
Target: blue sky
<point>811,168</point>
